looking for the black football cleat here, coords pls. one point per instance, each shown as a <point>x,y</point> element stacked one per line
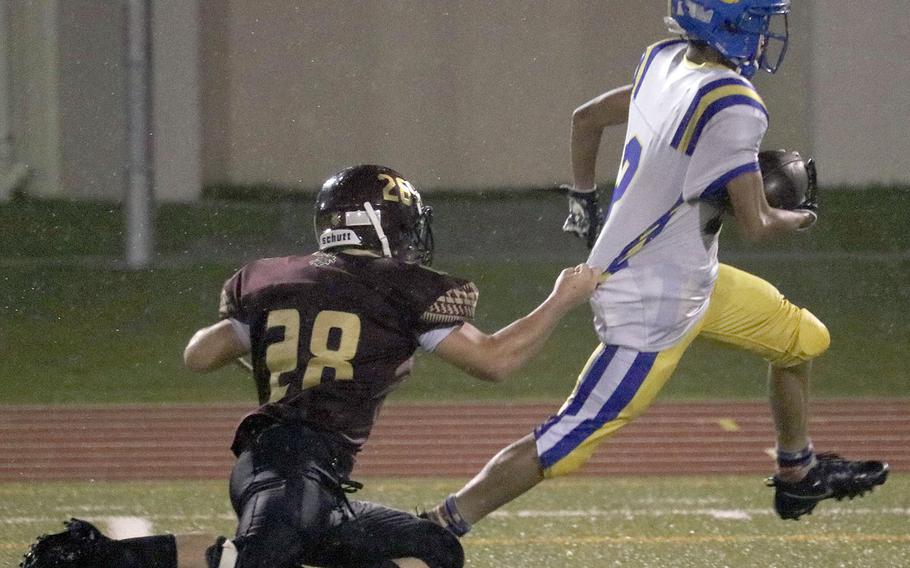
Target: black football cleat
<point>832,478</point>
<point>79,546</point>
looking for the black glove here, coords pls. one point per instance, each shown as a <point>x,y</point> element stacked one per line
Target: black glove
<point>585,214</point>
<point>810,203</point>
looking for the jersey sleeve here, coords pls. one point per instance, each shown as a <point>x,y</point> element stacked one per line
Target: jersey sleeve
<point>230,307</point>
<point>452,308</point>
<point>728,148</point>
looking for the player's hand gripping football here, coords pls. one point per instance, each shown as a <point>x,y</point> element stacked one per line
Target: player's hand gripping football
<point>585,214</point>
<point>575,285</point>
<point>790,182</point>
<point>810,203</point>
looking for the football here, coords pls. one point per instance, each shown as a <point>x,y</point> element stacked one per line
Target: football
<point>787,177</point>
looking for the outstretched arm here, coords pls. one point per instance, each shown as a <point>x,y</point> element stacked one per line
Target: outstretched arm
<point>494,357</point>
<point>588,123</point>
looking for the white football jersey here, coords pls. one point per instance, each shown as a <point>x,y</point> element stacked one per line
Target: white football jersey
<point>692,128</point>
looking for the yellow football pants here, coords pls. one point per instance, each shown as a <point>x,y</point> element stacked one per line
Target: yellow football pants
<point>618,384</point>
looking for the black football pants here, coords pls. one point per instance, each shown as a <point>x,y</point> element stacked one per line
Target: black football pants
<point>290,515</point>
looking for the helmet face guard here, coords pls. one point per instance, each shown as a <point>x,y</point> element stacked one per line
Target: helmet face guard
<point>419,241</point>
<point>774,43</point>
<point>751,34</point>
<point>769,32</point>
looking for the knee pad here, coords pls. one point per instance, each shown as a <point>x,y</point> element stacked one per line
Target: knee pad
<point>222,554</point>
<point>441,548</point>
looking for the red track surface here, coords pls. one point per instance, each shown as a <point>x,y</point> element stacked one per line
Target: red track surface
<point>191,442</point>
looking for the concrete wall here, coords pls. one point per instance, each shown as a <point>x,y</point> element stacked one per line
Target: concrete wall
<point>462,94</point>
<point>474,94</point>
<point>176,100</point>
<point>860,103</point>
<point>90,97</point>
<point>34,94</point>
<point>67,84</point>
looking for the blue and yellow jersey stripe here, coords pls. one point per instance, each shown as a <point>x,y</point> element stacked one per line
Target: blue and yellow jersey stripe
<point>717,188</point>
<point>710,100</point>
<point>648,235</point>
<point>646,61</point>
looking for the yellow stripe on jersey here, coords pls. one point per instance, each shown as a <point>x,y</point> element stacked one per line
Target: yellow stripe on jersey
<point>710,98</point>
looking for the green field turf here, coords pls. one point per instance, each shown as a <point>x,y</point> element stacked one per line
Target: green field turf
<point>76,334</point>
<point>74,328</point>
<point>687,522</point>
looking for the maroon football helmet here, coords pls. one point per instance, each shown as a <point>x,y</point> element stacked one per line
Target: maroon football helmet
<point>375,208</point>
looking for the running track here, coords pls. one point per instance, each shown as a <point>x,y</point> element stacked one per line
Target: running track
<point>191,442</point>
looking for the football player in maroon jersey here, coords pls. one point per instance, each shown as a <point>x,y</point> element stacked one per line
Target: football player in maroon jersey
<point>330,334</point>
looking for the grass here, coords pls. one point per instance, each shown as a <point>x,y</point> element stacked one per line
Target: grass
<point>81,334</point>
<point>75,328</point>
<point>680,522</point>
<point>867,220</point>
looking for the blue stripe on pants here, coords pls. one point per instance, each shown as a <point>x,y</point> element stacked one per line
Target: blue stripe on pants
<point>584,389</point>
<point>620,398</point>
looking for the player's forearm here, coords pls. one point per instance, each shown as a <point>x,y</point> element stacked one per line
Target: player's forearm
<point>585,144</point>
<point>758,221</point>
<point>773,223</point>
<point>494,357</point>
<point>513,346</point>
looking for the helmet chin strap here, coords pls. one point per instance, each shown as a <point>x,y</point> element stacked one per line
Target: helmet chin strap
<point>374,220</point>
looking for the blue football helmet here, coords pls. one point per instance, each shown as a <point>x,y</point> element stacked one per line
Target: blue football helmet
<point>751,34</point>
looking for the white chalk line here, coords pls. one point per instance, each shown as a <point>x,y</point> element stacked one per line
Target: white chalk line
<point>129,527</point>
<point>624,513</point>
<point>721,514</point>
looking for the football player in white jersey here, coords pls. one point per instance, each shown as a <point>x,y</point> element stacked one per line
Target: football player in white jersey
<point>695,124</point>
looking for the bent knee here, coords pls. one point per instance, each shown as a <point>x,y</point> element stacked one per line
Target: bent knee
<point>439,548</point>
<point>814,338</point>
<point>811,340</point>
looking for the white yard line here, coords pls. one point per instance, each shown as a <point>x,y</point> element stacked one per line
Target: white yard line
<point>147,522</point>
<point>723,514</point>
<point>129,527</point>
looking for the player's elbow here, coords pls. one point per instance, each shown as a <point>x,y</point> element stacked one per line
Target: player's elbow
<point>480,355</point>
<point>585,118</point>
<point>493,373</point>
<point>491,369</point>
<point>195,360</point>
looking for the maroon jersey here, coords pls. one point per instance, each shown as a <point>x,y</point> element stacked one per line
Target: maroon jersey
<point>332,334</point>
